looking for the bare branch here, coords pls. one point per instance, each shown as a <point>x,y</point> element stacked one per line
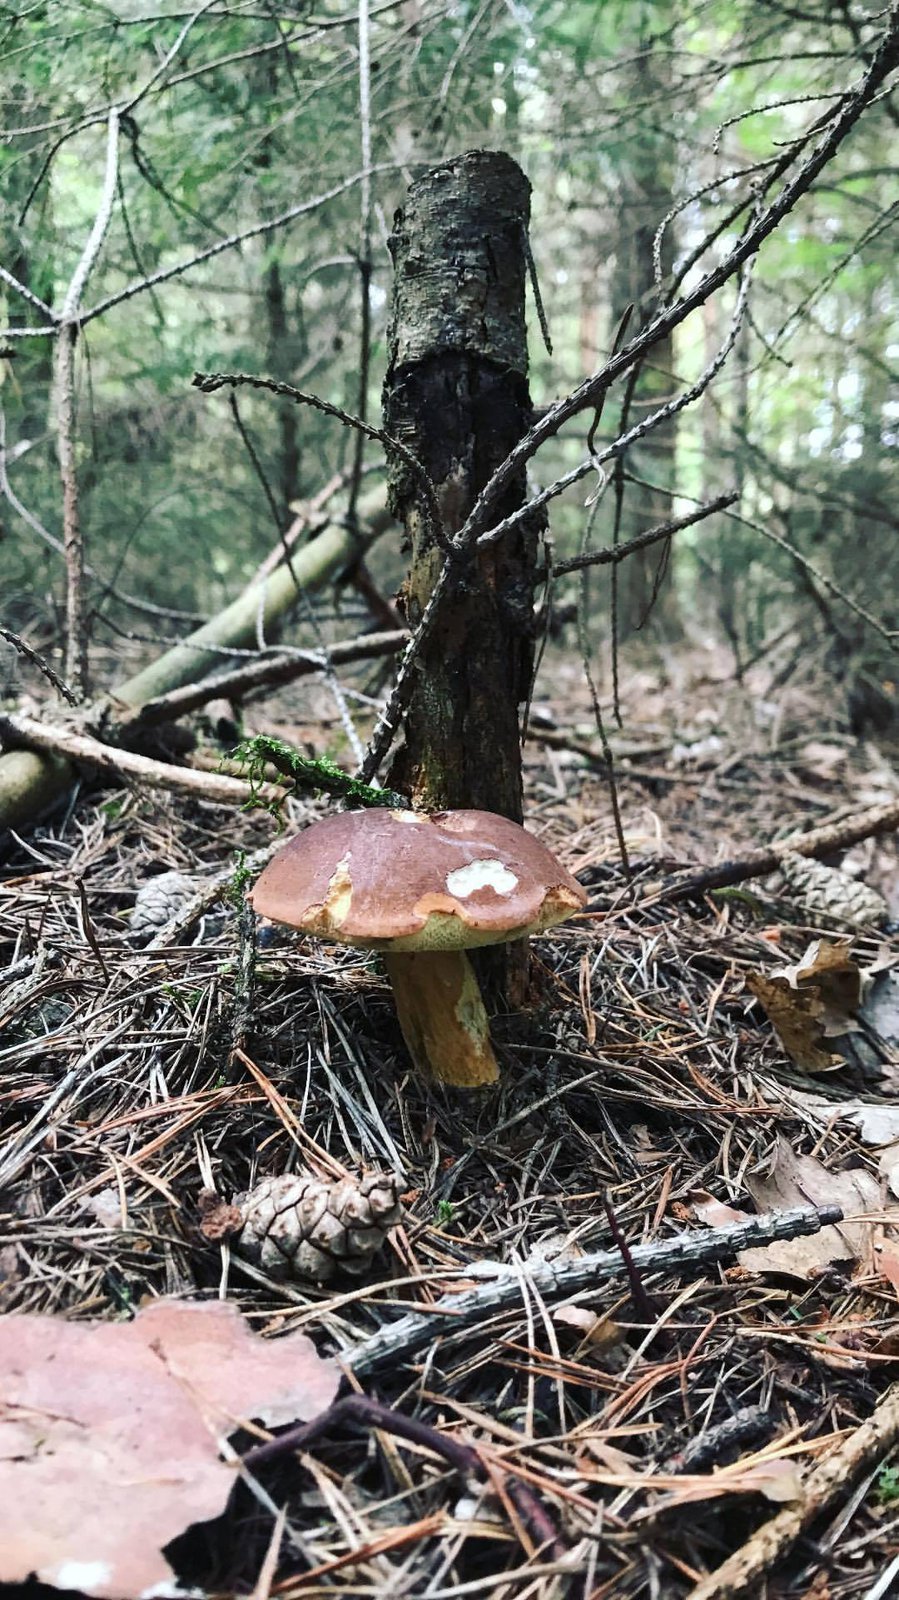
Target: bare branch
<point>640,541</point>
<point>39,661</point>
<point>234,239</point>
<point>97,234</point>
<point>883,62</point>
<point>26,293</point>
<point>457,1313</point>
<point>269,671</point>
<point>208,382</point>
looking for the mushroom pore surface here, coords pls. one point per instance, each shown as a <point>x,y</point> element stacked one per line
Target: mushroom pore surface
<point>404,880</point>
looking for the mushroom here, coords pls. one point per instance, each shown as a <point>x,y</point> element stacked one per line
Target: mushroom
<point>422,888</point>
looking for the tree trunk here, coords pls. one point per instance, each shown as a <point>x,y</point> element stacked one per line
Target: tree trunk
<point>457,395</point>
<point>646,178</point>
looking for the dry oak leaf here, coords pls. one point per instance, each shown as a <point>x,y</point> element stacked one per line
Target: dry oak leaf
<point>796,1180</point>
<point>813,1000</point>
<point>110,1436</point>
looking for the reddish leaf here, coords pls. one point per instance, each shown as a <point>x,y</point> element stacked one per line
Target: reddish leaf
<point>110,1434</point>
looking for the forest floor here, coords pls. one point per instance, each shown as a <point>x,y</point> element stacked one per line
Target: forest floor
<point>657,1434</point>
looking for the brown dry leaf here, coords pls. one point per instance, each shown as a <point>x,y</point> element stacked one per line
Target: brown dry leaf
<point>715,1213</point>
<point>601,1332</point>
<point>887,1259</point>
<point>797,1021</point>
<point>810,1001</point>
<point>801,1181</point>
<point>110,1433</point>
<point>779,1480</point>
<point>828,967</point>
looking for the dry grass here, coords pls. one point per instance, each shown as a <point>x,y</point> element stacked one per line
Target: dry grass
<point>641,1073</point>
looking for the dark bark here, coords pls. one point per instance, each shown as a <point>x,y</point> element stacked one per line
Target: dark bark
<point>456,394</point>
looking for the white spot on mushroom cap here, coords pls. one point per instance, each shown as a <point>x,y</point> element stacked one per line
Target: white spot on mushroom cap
<point>83,1575</point>
<point>481,874</point>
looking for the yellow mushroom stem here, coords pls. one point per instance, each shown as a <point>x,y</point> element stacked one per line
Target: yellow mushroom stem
<point>442,1016</point>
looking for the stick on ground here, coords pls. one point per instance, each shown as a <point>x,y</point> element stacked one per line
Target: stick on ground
<point>554,1280</point>
<point>870,1443</point>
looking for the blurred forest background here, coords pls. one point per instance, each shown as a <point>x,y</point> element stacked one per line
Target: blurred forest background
<point>262,150</point>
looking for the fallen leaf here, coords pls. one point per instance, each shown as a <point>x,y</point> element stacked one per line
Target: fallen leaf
<point>779,1480</point>
<point>801,1181</point>
<point>828,968</point>
<point>714,1213</point>
<point>601,1332</point>
<point>810,1001</point>
<point>797,1019</point>
<point>887,1259</point>
<point>110,1436</point>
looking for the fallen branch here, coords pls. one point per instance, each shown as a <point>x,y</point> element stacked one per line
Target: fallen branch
<point>457,1313</point>
<point>26,790</point>
<point>869,1444</point>
<point>818,842</point>
<point>463,1458</point>
<point>261,606</point>
<point>81,748</point>
<point>268,673</point>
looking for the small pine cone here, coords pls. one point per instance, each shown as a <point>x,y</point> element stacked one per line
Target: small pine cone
<point>826,895</point>
<point>299,1226</point>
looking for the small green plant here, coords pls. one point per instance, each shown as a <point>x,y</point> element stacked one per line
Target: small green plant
<point>886,1487</point>
<point>445,1213</point>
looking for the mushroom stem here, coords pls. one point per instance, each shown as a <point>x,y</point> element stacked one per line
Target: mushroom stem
<point>442,1016</point>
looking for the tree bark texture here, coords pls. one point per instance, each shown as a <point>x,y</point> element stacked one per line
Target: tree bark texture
<point>456,394</point>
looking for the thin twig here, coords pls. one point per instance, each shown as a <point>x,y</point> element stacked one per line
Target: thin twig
<point>275,670</point>
<point>865,1447</point>
<point>464,1458</point>
<point>613,554</point>
<point>39,661</point>
<point>209,382</point>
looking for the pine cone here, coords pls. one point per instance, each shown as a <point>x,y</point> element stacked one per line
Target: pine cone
<point>827,895</point>
<point>300,1226</point>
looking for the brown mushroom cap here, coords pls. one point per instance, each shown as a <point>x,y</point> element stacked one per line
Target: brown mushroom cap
<point>408,880</point>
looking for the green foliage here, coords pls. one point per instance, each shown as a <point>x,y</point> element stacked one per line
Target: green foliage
<point>886,1486</point>
<point>621,113</point>
<point>322,776</point>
